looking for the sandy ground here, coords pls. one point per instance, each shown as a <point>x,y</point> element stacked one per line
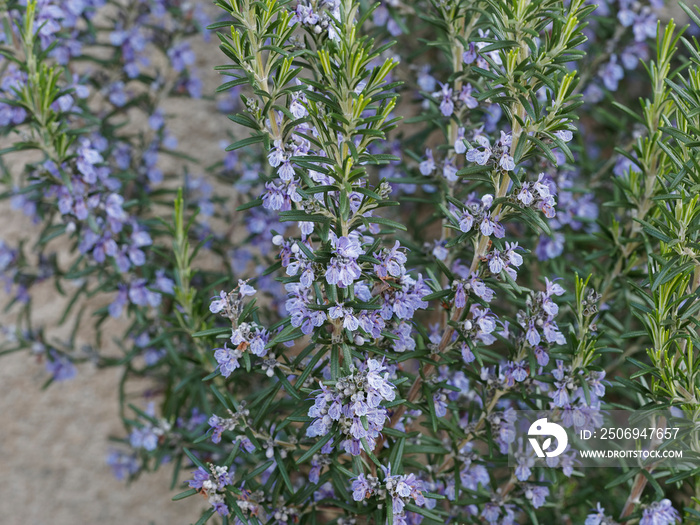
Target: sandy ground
<point>54,442</point>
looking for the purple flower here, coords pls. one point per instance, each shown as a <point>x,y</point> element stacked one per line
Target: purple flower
<point>219,304</point>
<point>447,106</point>
<point>280,195</point>
<point>164,284</point>
<point>220,507</point>
<point>466,221</point>
<point>181,56</point>
<point>427,166</point>
<point>532,336</point>
<point>353,397</point>
<point>247,445</point>
<point>391,262</point>
<point>403,489</point>
<point>482,153</point>
<point>113,207</point>
<point>117,95</point>
<point>537,495</point>
<point>466,97</point>
<point>519,371</point>
<point>449,170</point>
<point>597,517</point>
<point>116,307</point>
<point>361,488</point>
<point>141,296</point>
<point>199,477</point>
<point>469,56</point>
<point>611,73</point>
<point>213,484</point>
<point>439,250</point>
<point>467,355</point>
<point>348,248</point>
<point>550,247</point>
<point>227,359</point>
<point>60,367</point>
<point>560,396</point>
<point>343,270</point>
<point>491,512</point>
<point>244,289</point>
<point>350,322</point>
<point>219,426</point>
<point>123,465</point>
<point>525,463</point>
<point>472,475</point>
<point>506,162</point>
<point>660,513</point>
<point>250,335</point>
<point>144,438</point>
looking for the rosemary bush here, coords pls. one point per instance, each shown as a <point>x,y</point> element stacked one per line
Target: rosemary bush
<point>429,215</point>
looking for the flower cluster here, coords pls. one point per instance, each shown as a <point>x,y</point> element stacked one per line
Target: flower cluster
<point>319,16</point>
<point>123,465</point>
<point>13,79</point>
<point>353,406</point>
<point>230,304</point>
<point>538,321</point>
<point>470,283</point>
<point>499,153</point>
<point>476,215</point>
<point>568,394</point>
<point>400,488</point>
<point>538,195</point>
<point>343,269</point>
<point>660,513</point>
<point>474,54</point>
<point>213,484</point>
<point>149,432</point>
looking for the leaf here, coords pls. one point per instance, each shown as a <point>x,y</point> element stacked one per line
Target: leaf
<point>262,468</point>
<point>317,446</point>
<point>205,517</point>
<point>212,331</point>
<point>287,385</point>
<point>369,452</point>
<point>621,479</point>
<point>288,334</point>
<point>282,469</point>
<point>246,142</point>
<point>185,494</point>
<point>251,204</point>
<point>243,120</point>
<point>546,150</point>
<point>384,222</point>
<point>231,84</point>
<point>656,233</point>
<point>194,459</point>
<point>437,295</point>
<point>424,512</point>
<point>431,407</point>
<point>298,215</point>
<point>211,376</point>
<point>652,481</point>
<point>396,456</point>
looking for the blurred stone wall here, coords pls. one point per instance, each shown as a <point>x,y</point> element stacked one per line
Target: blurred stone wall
<point>54,442</point>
